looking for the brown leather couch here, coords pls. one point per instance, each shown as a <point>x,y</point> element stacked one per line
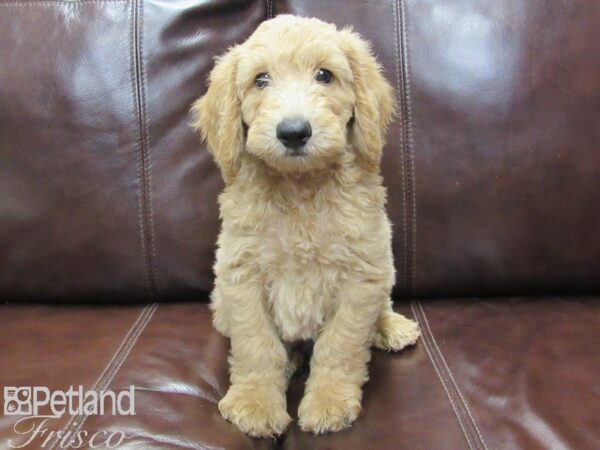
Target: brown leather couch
<point>108,219</point>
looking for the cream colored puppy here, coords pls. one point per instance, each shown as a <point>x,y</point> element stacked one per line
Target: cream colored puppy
<point>296,118</point>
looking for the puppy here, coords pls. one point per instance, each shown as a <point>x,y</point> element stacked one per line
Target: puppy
<point>295,118</point>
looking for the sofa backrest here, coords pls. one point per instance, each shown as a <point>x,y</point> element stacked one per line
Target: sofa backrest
<point>493,168</point>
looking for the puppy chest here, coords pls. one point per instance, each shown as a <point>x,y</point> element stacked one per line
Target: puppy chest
<point>300,301</point>
<point>301,278</point>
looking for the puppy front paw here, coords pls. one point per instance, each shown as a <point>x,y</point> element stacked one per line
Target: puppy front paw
<point>259,411</point>
<point>394,332</point>
<point>329,407</point>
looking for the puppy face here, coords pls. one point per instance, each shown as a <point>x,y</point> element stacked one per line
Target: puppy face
<point>296,95</point>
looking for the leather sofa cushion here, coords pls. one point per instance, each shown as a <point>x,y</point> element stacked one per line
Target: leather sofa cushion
<point>492,168</point>
<point>512,373</point>
<point>105,192</point>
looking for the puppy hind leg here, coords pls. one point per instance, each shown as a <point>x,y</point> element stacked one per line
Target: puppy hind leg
<point>394,331</point>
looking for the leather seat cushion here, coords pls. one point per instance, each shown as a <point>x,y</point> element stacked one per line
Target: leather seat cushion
<point>499,373</point>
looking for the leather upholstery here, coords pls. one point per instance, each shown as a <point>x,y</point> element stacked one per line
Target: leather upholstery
<point>514,373</point>
<point>105,192</point>
<point>494,161</point>
<point>493,171</point>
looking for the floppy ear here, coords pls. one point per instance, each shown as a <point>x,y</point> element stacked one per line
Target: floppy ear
<point>375,101</point>
<point>217,115</point>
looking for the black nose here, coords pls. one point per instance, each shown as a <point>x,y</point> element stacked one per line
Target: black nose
<point>293,133</point>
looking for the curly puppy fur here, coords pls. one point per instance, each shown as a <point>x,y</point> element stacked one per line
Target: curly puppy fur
<point>305,246</point>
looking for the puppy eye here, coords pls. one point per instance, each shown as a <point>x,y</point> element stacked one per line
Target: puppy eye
<point>262,80</point>
<point>324,76</point>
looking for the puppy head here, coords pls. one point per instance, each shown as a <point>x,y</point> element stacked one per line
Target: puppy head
<point>297,95</point>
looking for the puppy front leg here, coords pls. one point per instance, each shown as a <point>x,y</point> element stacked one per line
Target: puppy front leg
<point>255,401</point>
<point>332,398</point>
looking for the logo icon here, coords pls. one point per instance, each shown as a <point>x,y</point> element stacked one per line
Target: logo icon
<point>38,406</point>
<point>17,401</point>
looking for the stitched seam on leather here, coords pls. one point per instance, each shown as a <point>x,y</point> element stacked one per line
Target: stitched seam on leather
<point>96,384</point>
<point>441,378</point>
<point>145,224</point>
<point>400,101</point>
<point>120,361</point>
<point>452,379</point>
<point>136,107</point>
<point>147,140</point>
<point>409,151</point>
<point>269,9</point>
<point>461,409</point>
